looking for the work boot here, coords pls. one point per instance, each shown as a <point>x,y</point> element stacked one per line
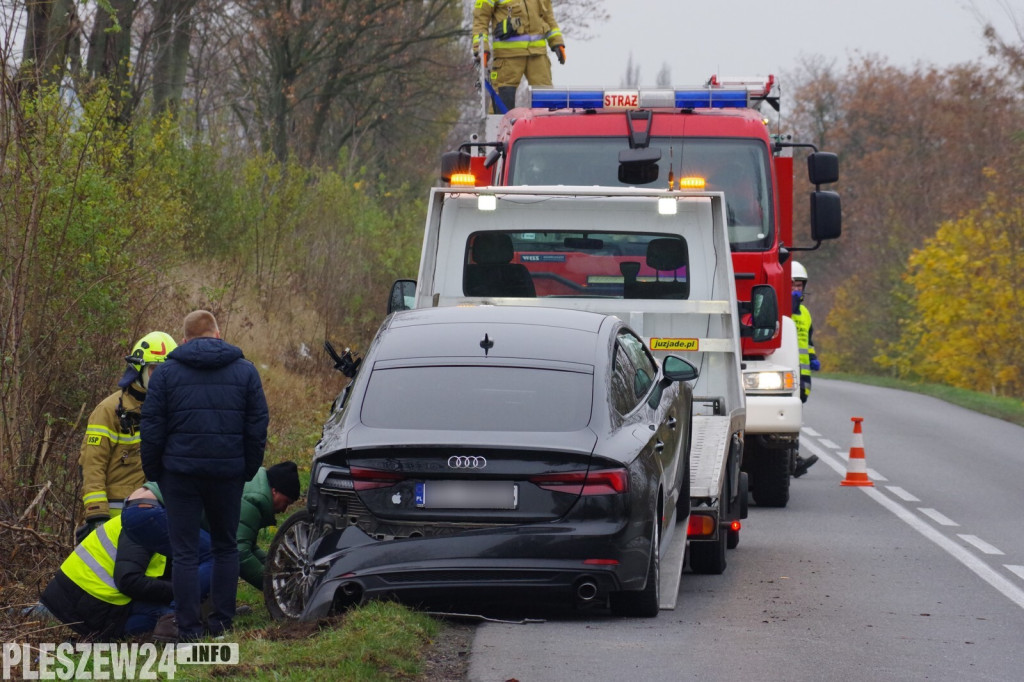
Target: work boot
<point>166,629</point>
<point>802,465</point>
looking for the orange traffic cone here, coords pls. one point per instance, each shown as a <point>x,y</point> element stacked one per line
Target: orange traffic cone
<point>857,468</point>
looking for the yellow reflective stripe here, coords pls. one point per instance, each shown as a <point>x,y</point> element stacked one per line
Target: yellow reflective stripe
<point>520,44</point>
<point>99,430</point>
<point>94,430</point>
<point>556,32</point>
<point>100,496</point>
<point>481,3</point>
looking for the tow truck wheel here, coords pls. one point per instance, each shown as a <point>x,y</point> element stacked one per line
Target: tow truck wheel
<point>708,557</point>
<point>647,602</point>
<point>290,574</point>
<point>771,476</point>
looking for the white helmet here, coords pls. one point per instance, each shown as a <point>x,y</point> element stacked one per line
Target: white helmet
<point>799,272</point>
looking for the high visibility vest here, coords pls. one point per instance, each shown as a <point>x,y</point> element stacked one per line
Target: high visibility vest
<point>802,320</point>
<point>91,565</point>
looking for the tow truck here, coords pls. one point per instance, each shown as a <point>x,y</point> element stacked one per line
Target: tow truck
<point>657,259</point>
<point>715,134</point>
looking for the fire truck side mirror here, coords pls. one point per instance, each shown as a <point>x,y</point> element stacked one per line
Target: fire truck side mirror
<point>454,162</point>
<point>826,216</point>
<point>822,168</point>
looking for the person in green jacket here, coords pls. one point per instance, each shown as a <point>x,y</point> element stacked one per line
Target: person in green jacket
<point>270,492</point>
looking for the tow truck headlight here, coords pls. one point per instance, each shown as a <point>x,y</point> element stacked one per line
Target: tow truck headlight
<point>768,382</point>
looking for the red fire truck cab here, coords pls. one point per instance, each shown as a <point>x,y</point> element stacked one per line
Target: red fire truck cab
<point>713,137</point>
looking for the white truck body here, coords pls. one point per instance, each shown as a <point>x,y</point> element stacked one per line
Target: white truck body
<point>703,328</point>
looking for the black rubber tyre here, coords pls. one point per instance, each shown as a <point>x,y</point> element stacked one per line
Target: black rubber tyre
<point>290,576</point>
<point>707,557</point>
<point>645,603</point>
<point>732,539</point>
<point>771,477</point>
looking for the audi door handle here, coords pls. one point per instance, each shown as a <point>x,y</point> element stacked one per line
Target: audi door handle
<point>659,446</point>
<point>672,422</point>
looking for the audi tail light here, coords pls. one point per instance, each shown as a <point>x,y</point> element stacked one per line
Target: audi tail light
<point>368,479</point>
<point>602,482</point>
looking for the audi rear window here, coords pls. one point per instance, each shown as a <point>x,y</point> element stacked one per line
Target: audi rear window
<point>473,398</point>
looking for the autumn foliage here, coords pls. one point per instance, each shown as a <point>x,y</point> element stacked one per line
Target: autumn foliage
<point>925,283</point>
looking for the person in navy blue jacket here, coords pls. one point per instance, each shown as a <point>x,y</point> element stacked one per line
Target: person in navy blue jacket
<point>207,420</point>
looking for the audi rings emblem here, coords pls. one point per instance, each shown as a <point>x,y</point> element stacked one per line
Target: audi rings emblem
<point>467,462</point>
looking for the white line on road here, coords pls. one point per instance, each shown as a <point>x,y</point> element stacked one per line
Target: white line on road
<point>980,544</point>
<point>979,567</point>
<point>1019,570</point>
<point>901,493</point>
<point>809,431</point>
<point>937,517</point>
<point>829,444</point>
<point>875,476</point>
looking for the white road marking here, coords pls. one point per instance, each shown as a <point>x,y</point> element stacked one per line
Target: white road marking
<point>938,518</point>
<point>980,544</point>
<point>829,444</point>
<point>901,493</point>
<point>1019,570</point>
<point>809,431</point>
<point>979,567</point>
<point>875,476</point>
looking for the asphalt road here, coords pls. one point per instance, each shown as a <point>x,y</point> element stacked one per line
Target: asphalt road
<point>920,577</point>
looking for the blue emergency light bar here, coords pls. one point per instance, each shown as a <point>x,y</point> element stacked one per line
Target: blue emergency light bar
<point>703,98</point>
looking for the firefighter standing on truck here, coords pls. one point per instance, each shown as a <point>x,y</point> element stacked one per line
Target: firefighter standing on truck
<point>808,358</point>
<point>110,462</point>
<point>514,36</point>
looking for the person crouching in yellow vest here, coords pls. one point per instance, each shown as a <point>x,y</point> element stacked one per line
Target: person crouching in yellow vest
<point>110,587</point>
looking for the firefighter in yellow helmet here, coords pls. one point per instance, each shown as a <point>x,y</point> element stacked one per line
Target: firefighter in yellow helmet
<point>110,463</point>
<point>514,36</point>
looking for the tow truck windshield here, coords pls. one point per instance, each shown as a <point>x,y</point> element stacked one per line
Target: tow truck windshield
<point>739,168</point>
<point>564,263</point>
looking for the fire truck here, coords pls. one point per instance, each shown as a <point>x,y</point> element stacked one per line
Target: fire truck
<point>713,137</point>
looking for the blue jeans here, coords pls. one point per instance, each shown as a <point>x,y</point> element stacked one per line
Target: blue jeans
<point>186,498</point>
<point>143,617</point>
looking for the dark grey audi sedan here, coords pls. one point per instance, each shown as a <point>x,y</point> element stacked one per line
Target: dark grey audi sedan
<point>492,449</point>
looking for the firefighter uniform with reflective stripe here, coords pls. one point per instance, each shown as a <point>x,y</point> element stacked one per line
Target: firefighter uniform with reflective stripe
<point>524,53</point>
<point>110,461</point>
<point>804,333</point>
<point>83,593</point>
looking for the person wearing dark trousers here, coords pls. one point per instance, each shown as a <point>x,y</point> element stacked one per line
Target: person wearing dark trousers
<point>207,418</point>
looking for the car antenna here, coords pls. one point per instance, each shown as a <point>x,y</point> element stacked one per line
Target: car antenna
<point>486,344</point>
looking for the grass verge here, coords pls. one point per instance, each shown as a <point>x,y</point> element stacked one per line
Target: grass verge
<point>1007,409</point>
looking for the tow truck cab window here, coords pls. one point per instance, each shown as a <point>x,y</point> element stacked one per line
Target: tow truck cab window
<point>740,168</point>
<point>563,263</point>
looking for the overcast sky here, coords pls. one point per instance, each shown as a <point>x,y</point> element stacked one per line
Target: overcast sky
<point>757,37</point>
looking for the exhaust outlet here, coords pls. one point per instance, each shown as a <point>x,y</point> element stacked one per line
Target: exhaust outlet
<point>348,594</point>
<point>586,591</point>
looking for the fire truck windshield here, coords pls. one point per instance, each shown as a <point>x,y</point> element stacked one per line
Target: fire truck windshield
<point>740,168</point>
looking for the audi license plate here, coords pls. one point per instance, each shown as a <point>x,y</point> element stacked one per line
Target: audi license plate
<point>467,495</point>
